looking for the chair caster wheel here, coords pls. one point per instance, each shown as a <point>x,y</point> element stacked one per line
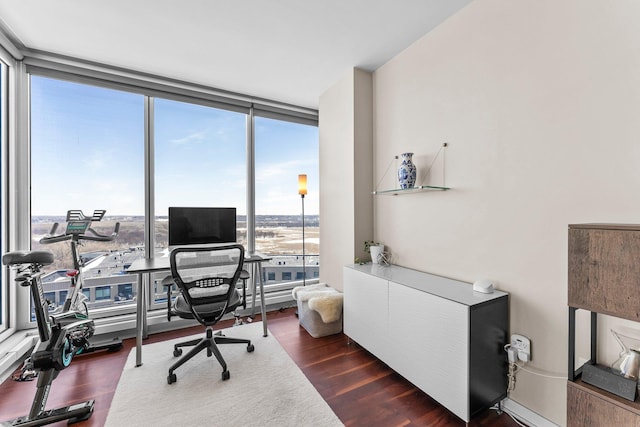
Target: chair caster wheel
<point>177,352</point>
<point>226,375</point>
<point>250,348</point>
<point>172,378</point>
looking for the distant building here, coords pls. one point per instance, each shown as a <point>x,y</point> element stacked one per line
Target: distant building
<point>106,282</point>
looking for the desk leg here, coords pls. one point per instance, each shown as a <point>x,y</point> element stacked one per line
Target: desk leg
<point>146,287</point>
<point>263,305</point>
<point>256,275</point>
<point>253,289</point>
<point>139,319</point>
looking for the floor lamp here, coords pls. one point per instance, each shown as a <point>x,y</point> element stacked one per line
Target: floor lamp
<point>302,190</point>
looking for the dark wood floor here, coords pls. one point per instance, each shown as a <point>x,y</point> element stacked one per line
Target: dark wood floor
<point>360,389</point>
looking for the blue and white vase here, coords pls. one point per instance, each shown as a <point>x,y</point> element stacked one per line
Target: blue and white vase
<point>407,171</point>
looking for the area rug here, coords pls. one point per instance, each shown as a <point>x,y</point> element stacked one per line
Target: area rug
<point>266,388</point>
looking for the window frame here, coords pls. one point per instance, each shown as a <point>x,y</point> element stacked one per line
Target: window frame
<point>102,293</point>
<point>5,308</point>
<point>150,87</point>
<point>11,228</point>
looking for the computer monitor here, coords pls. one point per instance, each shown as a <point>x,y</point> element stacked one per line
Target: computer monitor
<point>201,225</point>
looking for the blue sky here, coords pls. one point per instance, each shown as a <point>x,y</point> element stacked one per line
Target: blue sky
<point>87,153</point>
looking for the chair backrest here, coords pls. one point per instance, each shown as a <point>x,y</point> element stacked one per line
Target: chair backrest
<point>207,275</point>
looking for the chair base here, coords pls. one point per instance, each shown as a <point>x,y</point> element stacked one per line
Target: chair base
<point>210,343</point>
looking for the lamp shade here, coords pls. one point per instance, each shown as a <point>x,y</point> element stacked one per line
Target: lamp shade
<point>302,184</point>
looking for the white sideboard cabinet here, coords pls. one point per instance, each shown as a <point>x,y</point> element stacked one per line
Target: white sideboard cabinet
<point>436,332</point>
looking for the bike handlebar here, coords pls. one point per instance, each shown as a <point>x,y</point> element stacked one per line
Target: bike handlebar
<point>95,237</point>
<point>54,239</point>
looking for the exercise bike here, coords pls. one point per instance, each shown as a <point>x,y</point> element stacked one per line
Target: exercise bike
<point>79,229</point>
<point>64,332</point>
<point>60,338</point>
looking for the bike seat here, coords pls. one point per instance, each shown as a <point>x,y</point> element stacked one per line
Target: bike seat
<point>27,257</point>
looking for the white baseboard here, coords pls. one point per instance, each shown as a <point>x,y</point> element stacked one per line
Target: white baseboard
<point>525,414</point>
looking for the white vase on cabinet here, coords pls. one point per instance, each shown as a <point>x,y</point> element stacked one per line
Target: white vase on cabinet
<point>376,253</point>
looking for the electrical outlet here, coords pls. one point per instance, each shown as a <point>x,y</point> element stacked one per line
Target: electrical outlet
<point>522,345</point>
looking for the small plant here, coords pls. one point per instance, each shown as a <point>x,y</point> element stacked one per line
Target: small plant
<point>368,244</point>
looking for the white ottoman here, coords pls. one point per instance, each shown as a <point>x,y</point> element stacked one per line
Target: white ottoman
<point>319,309</point>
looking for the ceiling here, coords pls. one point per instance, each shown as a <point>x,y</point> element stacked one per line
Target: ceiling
<point>285,50</point>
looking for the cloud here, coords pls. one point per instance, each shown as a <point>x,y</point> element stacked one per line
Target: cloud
<point>196,137</point>
<point>267,172</point>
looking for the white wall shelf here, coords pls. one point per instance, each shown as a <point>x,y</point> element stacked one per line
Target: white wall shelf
<point>418,189</point>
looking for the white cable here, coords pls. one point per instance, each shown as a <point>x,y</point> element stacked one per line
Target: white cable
<point>513,417</point>
<point>541,374</point>
<point>520,366</point>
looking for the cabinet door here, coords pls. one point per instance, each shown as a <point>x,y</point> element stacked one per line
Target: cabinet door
<point>604,271</point>
<point>366,311</point>
<point>588,410</point>
<point>431,343</point>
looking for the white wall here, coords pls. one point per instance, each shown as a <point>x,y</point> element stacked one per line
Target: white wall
<point>539,101</point>
<point>346,204</point>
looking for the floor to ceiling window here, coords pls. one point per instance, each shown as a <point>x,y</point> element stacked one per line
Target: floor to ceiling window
<point>87,153</point>
<point>3,142</point>
<point>132,150</point>
<point>285,150</point>
<point>200,161</point>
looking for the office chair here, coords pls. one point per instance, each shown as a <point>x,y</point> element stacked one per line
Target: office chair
<point>207,278</point>
<point>169,285</point>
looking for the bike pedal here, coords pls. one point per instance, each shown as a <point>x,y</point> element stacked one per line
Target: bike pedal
<point>27,375</point>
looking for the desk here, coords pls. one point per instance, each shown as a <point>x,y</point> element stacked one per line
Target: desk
<point>155,265</point>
